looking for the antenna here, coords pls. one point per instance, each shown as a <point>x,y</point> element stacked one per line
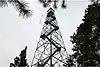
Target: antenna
<point>41,19</point>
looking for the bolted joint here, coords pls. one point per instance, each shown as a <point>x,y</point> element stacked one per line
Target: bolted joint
<point>59,49</point>
<point>46,22</point>
<point>56,28</point>
<point>43,36</point>
<point>52,65</point>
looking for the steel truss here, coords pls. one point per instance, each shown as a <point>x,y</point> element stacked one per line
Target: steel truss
<point>50,51</point>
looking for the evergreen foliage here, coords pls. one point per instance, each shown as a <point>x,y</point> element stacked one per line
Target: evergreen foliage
<point>70,61</point>
<point>20,61</point>
<point>20,5</point>
<point>47,3</point>
<point>87,38</point>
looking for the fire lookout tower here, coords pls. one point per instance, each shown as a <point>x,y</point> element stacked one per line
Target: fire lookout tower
<point>50,51</point>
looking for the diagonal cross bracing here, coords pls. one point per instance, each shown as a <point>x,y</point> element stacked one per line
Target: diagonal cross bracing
<point>50,51</point>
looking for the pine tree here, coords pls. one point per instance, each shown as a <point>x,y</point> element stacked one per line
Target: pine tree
<point>23,8</point>
<point>20,61</point>
<point>20,6</point>
<point>23,60</point>
<point>86,39</point>
<point>46,3</point>
<point>70,61</point>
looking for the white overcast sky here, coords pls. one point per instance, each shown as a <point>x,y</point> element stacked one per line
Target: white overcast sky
<point>16,32</point>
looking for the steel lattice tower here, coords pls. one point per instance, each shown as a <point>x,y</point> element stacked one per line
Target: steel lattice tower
<point>50,51</point>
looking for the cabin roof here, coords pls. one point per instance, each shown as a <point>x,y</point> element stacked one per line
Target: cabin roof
<point>50,10</point>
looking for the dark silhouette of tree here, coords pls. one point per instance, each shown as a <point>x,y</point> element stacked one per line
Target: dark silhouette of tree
<point>21,6</point>
<point>20,61</point>
<point>87,38</point>
<point>47,3</point>
<point>70,61</point>
<point>23,60</point>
